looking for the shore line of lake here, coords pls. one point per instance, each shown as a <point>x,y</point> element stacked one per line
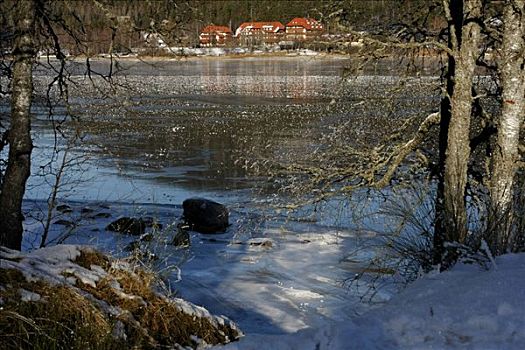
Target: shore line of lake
<point>302,54</point>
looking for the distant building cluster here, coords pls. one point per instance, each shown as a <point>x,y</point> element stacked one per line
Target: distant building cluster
<point>262,33</point>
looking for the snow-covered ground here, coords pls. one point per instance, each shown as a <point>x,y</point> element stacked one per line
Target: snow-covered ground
<point>285,289</point>
<point>466,308</point>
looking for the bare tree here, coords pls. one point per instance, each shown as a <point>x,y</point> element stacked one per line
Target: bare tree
<point>19,138</point>
<point>55,28</point>
<point>34,25</point>
<point>477,37</point>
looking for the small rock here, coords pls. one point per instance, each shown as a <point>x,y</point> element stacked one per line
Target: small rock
<point>132,226</point>
<point>181,238</point>
<point>86,210</point>
<point>263,243</point>
<point>205,216</point>
<point>64,208</point>
<point>63,222</point>
<point>102,215</point>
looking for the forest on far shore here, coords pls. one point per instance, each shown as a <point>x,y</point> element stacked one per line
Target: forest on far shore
<point>121,24</point>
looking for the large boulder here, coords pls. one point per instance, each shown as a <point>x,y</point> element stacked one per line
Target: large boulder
<point>205,216</point>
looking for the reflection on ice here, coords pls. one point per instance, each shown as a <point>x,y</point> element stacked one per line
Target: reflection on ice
<point>297,283</point>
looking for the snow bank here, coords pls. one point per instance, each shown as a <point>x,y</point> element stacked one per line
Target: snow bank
<point>464,308</point>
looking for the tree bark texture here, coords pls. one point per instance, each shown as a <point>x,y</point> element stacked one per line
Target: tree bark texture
<point>19,138</point>
<point>458,138</point>
<point>456,16</point>
<point>505,155</point>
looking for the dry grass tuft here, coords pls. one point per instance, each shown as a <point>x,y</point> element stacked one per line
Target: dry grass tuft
<point>90,257</point>
<point>163,314</point>
<point>153,319</point>
<point>59,317</point>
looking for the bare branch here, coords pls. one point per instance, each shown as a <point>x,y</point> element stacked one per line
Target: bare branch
<point>430,121</point>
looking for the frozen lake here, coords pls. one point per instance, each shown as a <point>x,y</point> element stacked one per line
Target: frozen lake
<point>180,129</point>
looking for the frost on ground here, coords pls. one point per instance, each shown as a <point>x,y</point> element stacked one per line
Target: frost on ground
<point>69,296</point>
<point>466,308</point>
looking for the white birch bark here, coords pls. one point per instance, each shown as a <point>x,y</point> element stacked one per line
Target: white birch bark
<point>506,151</point>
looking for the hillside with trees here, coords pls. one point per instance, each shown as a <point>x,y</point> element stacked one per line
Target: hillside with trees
<point>121,25</point>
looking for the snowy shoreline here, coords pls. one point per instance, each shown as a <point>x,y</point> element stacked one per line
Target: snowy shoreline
<point>465,308</point>
<point>226,56</point>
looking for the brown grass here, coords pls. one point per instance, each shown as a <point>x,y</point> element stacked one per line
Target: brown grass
<point>159,318</point>
<point>62,319</point>
<point>90,257</point>
<point>76,317</point>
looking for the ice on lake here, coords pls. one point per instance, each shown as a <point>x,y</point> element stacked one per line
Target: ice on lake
<point>178,132</point>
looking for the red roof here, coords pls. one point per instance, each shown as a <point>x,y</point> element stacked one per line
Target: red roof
<point>266,26</point>
<point>308,23</point>
<point>215,29</point>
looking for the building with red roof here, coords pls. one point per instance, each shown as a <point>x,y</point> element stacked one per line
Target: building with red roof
<point>212,35</point>
<point>300,29</point>
<point>255,33</point>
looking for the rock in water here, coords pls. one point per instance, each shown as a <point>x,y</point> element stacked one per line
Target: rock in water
<point>205,216</point>
<point>132,226</point>
<point>181,238</point>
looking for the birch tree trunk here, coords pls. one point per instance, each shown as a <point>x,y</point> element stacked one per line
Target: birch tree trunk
<point>19,138</point>
<point>454,144</point>
<point>506,151</point>
<point>458,138</point>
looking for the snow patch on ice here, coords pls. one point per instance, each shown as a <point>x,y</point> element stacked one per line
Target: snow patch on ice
<point>299,293</point>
